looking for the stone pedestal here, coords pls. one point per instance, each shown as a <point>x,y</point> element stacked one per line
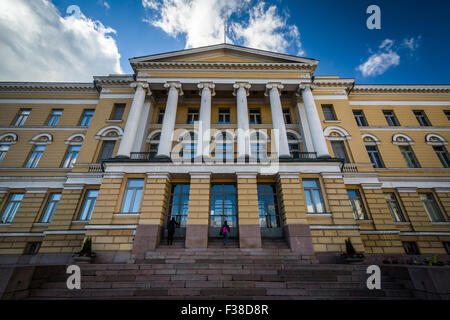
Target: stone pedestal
<point>147,238</point>
<point>299,239</point>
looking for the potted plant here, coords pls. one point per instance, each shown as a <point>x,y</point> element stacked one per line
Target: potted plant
<point>351,256</point>
<point>85,255</point>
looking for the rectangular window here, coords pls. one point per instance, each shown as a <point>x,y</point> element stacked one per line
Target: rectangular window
<point>160,116</point>
<point>391,118</point>
<point>313,196</point>
<point>87,117</point>
<point>22,117</point>
<point>71,156</point>
<point>394,207</point>
<point>224,148</point>
<point>107,150</point>
<point>442,154</point>
<point>54,118</point>
<point>339,150</point>
<point>179,204</point>
<point>224,116</point>
<point>88,205</point>
<point>35,156</point>
<point>269,216</point>
<point>422,118</point>
<point>432,207</point>
<point>375,156</point>
<point>192,116</point>
<point>32,248</point>
<point>409,156</point>
<point>11,207</point>
<point>132,197</point>
<point>357,204</point>
<point>328,112</point>
<point>360,118</point>
<point>447,114</point>
<point>223,205</point>
<point>410,247</point>
<point>118,111</point>
<point>3,151</point>
<point>51,207</point>
<point>255,116</point>
<point>287,116</point>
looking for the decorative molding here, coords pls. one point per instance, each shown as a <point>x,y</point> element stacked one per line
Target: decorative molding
<point>8,138</point>
<point>174,84</point>
<point>42,139</point>
<point>425,233</point>
<point>109,226</point>
<point>405,89</point>
<point>75,139</point>
<point>336,133</point>
<point>64,232</point>
<point>333,227</point>
<point>401,128</point>
<point>434,139</point>
<point>401,139</point>
<point>207,85</point>
<point>379,232</point>
<point>110,133</point>
<point>399,103</point>
<point>20,234</point>
<point>241,85</point>
<point>319,215</point>
<point>50,101</point>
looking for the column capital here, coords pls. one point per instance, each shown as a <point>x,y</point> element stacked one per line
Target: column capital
<point>273,85</point>
<point>206,85</point>
<point>174,84</point>
<point>241,85</point>
<point>305,86</point>
<point>143,85</point>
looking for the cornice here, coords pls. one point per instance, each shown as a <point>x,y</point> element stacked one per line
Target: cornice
<point>221,66</point>
<point>400,89</point>
<point>346,84</point>
<point>60,87</point>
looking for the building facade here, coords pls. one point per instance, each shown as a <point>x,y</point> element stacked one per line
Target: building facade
<point>223,133</point>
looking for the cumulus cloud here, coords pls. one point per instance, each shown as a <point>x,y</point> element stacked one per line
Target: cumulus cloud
<point>202,23</point>
<point>38,44</point>
<point>387,56</point>
<point>106,4</point>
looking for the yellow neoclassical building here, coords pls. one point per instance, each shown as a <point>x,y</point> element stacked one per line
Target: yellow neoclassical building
<point>221,133</point>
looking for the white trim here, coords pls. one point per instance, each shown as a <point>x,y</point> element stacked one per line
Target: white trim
<point>408,142</point>
<point>246,175</point>
<point>126,215</point>
<point>8,134</point>
<point>46,128</point>
<point>442,141</point>
<point>425,233</point>
<point>373,186</point>
<point>21,234</point>
<point>69,139</point>
<point>199,175</point>
<point>101,134</point>
<point>35,139</point>
<point>373,137</point>
<point>31,182</point>
<point>332,175</point>
<point>398,103</point>
<point>64,232</point>
<point>151,135</point>
<point>341,131</point>
<point>49,101</point>
<point>379,232</point>
<point>116,95</point>
<point>318,215</point>
<point>110,226</point>
<point>158,175</point>
<point>400,128</point>
<point>329,97</point>
<point>35,190</point>
<point>333,227</point>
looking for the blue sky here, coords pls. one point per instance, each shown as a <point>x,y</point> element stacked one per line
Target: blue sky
<point>412,46</point>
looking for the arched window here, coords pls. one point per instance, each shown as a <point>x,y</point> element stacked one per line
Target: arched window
<point>74,141</point>
<point>294,143</point>
<point>6,140</point>
<point>109,135</point>
<point>224,145</point>
<point>153,143</point>
<point>258,145</point>
<point>189,142</point>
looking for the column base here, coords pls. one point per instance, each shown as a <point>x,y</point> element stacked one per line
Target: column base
<point>196,236</point>
<point>147,238</point>
<point>249,236</point>
<point>299,238</point>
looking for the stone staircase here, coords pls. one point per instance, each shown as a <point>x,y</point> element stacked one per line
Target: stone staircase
<point>215,273</point>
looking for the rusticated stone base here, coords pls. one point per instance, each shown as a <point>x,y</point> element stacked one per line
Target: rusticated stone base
<point>299,238</point>
<point>147,238</point>
<point>196,236</point>
<point>249,236</point>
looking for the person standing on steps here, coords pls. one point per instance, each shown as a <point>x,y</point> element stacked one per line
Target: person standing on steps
<point>225,230</point>
<point>171,230</point>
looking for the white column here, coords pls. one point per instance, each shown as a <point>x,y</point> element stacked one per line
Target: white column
<point>304,127</point>
<point>204,128</point>
<point>279,127</point>
<point>144,122</point>
<point>315,127</point>
<point>241,91</point>
<point>132,125</point>
<point>168,125</point>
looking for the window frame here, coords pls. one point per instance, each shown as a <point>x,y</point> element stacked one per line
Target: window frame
<point>99,158</point>
<point>287,116</point>
<point>160,116</point>
<point>443,156</point>
<point>20,116</point>
<point>344,148</point>
<point>7,219</point>
<point>134,191</point>
<point>391,118</point>
<point>422,118</point>
<point>331,109</point>
<point>276,201</point>
<point>47,218</point>
<point>358,118</point>
<point>234,223</point>
<point>181,219</point>
<point>91,204</point>
<point>319,188</point>
<point>415,248</point>
<point>54,117</point>
<point>224,115</point>
<point>371,153</point>
<point>360,198</point>
<point>85,116</point>
<point>409,156</point>
<point>396,202</point>
<point>193,115</point>
<point>3,152</point>
<point>255,116</point>
<point>447,114</point>
<point>69,158</point>
<point>35,156</point>
<point>114,113</point>
<point>438,210</point>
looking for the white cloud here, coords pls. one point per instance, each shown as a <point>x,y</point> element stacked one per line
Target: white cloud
<point>380,61</point>
<point>412,43</point>
<point>202,23</point>
<point>38,44</point>
<point>106,4</point>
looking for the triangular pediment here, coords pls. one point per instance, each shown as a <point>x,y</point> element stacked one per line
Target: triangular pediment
<point>224,53</point>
